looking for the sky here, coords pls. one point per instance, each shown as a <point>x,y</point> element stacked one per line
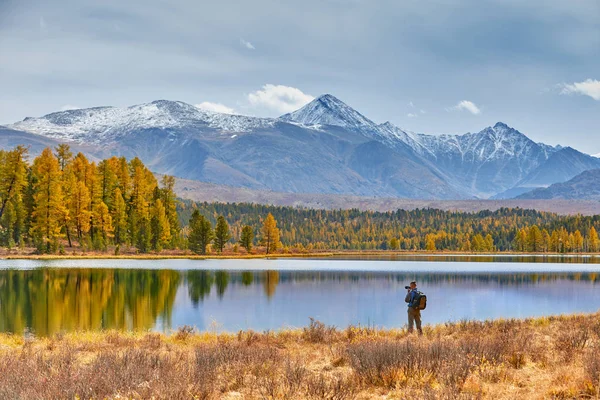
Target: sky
<point>435,66</point>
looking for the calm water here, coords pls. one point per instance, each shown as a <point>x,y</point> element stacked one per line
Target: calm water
<point>227,295</point>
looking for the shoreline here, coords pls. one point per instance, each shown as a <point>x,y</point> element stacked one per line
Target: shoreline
<point>317,255</point>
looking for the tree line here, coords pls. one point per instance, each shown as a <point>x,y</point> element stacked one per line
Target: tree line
<point>62,199</point>
<point>200,234</point>
<point>506,229</point>
<point>65,199</point>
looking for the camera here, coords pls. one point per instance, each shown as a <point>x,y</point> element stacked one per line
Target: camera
<point>406,287</point>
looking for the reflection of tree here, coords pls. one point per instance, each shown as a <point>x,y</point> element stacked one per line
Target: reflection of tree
<point>199,283</point>
<point>271,279</point>
<point>247,278</point>
<point>52,300</point>
<point>221,282</point>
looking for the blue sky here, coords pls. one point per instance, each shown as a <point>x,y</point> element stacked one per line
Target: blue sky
<point>436,66</point>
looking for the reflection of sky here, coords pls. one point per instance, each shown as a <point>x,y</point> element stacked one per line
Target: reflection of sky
<point>409,263</point>
<point>380,302</point>
<point>343,292</point>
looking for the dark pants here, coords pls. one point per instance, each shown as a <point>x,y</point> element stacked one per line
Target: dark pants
<point>414,315</point>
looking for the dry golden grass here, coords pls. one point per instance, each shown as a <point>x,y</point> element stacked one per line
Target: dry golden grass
<point>544,358</point>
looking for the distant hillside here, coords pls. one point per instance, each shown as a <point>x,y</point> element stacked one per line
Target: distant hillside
<point>209,192</point>
<point>561,166</point>
<point>585,186</point>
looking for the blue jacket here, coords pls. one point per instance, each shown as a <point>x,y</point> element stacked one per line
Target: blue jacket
<point>410,298</point>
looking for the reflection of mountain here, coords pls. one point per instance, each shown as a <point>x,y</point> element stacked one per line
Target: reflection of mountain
<point>53,300</point>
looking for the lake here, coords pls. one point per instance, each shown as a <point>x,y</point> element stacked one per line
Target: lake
<point>51,296</point>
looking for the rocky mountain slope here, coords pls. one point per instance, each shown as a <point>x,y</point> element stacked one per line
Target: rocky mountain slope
<point>259,153</point>
<point>585,186</point>
<point>324,147</point>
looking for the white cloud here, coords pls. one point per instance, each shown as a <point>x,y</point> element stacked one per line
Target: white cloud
<point>215,107</point>
<point>411,115</point>
<point>43,24</point>
<point>68,107</point>
<point>410,104</point>
<point>247,44</point>
<point>589,87</point>
<point>279,98</point>
<point>466,105</point>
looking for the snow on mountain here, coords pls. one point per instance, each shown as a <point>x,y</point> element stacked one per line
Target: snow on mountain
<point>596,155</point>
<point>483,164</point>
<point>102,124</point>
<point>329,110</point>
<point>497,142</point>
<point>392,135</point>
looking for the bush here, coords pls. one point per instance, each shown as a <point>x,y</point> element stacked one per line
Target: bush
<point>592,368</point>
<point>318,332</point>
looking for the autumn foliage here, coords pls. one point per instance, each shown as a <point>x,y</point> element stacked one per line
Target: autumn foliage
<point>62,199</point>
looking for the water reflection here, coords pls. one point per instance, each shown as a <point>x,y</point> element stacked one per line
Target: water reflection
<point>50,300</point>
<point>478,258</point>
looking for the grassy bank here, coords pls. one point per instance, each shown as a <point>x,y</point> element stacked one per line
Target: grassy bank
<point>556,357</point>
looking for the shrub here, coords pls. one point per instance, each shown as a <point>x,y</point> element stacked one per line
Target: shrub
<point>592,368</point>
<point>318,332</point>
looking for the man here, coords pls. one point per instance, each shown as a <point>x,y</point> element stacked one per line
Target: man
<point>414,314</point>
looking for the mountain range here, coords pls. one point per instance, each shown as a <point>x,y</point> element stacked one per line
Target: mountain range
<point>584,186</point>
<point>324,147</point>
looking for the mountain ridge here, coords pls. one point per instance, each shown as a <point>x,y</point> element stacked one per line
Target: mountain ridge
<point>585,186</point>
<point>326,138</point>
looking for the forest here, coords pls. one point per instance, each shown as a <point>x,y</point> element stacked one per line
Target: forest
<point>61,200</point>
<point>516,230</point>
<point>64,201</point>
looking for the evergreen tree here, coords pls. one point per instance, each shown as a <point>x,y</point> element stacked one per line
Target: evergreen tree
<point>103,226</point>
<point>201,233</point>
<point>107,180</point>
<point>80,209</point>
<point>247,238</point>
<point>119,217</point>
<point>222,235</point>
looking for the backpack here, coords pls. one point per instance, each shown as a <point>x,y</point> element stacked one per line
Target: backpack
<point>420,301</point>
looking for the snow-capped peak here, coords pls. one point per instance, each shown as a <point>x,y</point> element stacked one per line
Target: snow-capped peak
<point>99,124</point>
<point>329,110</point>
<point>392,134</point>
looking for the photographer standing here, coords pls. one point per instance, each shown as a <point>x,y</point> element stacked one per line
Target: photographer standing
<point>414,313</point>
